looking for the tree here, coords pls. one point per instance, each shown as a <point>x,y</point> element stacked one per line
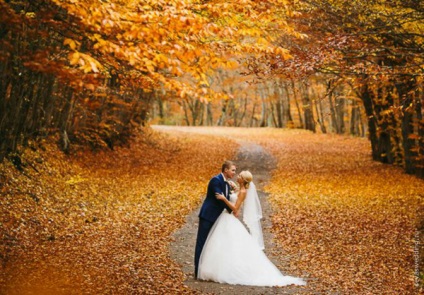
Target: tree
<point>87,70</point>
<point>375,48</point>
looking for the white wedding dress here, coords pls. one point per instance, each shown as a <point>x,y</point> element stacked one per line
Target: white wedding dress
<point>231,255</point>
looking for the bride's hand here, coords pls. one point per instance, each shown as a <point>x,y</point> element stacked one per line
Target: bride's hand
<point>219,196</point>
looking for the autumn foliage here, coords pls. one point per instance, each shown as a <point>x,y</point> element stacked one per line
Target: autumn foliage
<point>356,68</point>
<point>78,76</point>
<point>88,71</point>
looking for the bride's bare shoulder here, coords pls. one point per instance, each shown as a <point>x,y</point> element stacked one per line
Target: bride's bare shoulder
<point>242,191</point>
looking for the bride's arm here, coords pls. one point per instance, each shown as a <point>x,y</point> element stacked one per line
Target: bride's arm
<point>240,199</point>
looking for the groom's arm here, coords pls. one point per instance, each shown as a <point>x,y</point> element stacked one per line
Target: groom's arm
<point>216,187</point>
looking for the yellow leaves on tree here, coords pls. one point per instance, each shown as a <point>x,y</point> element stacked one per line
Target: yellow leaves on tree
<point>176,37</point>
<point>85,62</point>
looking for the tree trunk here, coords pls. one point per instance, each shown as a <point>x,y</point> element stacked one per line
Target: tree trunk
<point>321,121</point>
<point>334,122</point>
<point>320,116</point>
<point>243,114</point>
<point>278,120</point>
<point>209,117</point>
<point>296,100</point>
<point>366,96</point>
<point>385,146</point>
<point>186,118</point>
<point>307,109</point>
<point>64,121</point>
<point>340,112</point>
<point>287,117</point>
<point>223,113</point>
<point>408,143</point>
<point>161,111</point>
<point>420,119</point>
<point>202,113</point>
<point>355,119</point>
<point>264,113</point>
<point>273,111</point>
<point>252,118</point>
<point>408,94</point>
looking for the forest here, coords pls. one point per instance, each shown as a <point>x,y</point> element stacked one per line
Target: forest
<point>90,72</point>
<point>333,89</point>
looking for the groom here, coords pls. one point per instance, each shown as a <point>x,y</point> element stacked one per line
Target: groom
<point>212,207</point>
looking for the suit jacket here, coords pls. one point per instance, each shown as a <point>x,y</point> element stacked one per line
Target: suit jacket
<point>212,208</point>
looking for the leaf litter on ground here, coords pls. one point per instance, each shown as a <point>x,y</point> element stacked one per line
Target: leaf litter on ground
<point>102,222</point>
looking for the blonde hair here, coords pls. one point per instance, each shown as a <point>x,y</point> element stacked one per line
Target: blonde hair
<point>247,177</point>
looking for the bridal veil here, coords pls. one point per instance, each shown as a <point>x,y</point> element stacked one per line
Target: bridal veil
<point>252,215</point>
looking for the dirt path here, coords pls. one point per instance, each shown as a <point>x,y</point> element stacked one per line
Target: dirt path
<point>253,158</point>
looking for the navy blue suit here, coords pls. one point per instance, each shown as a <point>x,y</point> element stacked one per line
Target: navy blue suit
<point>209,213</point>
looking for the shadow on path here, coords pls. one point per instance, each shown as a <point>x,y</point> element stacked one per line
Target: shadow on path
<point>250,157</point>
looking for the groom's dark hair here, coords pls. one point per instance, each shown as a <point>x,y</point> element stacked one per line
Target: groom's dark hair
<point>227,165</point>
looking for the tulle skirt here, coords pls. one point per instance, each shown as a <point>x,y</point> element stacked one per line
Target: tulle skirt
<point>232,256</point>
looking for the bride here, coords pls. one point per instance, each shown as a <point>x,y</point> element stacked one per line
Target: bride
<point>240,259</point>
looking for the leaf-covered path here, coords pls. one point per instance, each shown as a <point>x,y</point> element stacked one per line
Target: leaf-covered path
<point>250,157</point>
<point>104,223</point>
<point>348,224</point>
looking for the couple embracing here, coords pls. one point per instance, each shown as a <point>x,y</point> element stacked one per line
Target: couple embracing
<point>226,252</point>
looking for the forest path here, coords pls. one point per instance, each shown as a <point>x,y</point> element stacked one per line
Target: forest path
<point>254,158</point>
<point>121,222</point>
